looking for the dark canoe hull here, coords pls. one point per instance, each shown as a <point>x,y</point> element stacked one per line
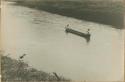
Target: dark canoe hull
<point>84,35</point>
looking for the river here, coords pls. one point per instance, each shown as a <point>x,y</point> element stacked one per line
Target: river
<point>41,35</point>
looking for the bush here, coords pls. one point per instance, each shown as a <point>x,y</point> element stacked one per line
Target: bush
<point>18,70</point>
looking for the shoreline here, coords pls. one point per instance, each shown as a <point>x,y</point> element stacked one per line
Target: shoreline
<point>108,17</point>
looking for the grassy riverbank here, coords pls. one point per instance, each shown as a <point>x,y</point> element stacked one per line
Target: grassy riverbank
<point>105,12</point>
<point>17,70</point>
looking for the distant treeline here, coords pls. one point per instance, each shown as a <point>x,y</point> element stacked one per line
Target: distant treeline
<point>17,70</point>
<point>105,12</point>
<point>110,12</point>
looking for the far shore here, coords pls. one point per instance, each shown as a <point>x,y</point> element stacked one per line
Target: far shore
<point>109,13</point>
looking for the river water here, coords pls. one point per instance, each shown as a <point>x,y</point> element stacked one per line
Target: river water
<point>41,35</point>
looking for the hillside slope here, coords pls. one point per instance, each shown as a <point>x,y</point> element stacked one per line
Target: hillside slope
<point>15,70</point>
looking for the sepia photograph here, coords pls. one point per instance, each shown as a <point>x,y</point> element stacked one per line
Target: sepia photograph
<point>62,40</point>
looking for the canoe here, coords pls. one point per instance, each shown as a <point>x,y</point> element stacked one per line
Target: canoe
<point>84,35</point>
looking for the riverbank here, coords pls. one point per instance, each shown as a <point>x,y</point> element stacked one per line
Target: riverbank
<point>110,13</point>
<point>18,70</point>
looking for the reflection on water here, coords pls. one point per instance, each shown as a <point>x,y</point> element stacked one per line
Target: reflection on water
<point>42,36</point>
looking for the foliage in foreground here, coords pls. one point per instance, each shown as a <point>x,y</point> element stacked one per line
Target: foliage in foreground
<point>18,70</point>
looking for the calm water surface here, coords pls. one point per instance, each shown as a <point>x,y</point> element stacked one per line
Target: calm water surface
<point>41,36</point>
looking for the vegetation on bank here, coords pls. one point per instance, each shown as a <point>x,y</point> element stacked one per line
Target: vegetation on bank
<point>105,12</point>
<point>18,70</point>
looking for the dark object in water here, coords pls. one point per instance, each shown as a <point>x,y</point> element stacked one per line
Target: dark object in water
<point>85,35</point>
